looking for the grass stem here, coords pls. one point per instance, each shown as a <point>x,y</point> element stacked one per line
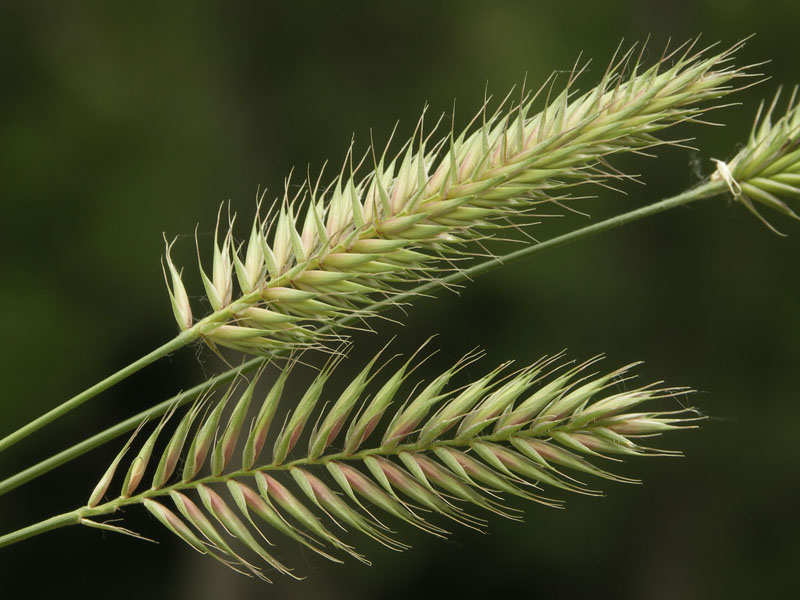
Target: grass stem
<point>174,344</point>
<point>70,518</point>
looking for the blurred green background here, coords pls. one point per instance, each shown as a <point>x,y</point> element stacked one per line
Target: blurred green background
<point>120,121</point>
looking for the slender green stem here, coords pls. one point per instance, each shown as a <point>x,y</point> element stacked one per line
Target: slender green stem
<point>70,518</point>
<point>706,190</point>
<point>701,192</point>
<point>125,426</point>
<point>179,341</point>
<point>20,434</point>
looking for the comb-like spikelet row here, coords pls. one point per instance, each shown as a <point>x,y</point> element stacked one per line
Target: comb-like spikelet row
<point>443,449</point>
<point>321,256</point>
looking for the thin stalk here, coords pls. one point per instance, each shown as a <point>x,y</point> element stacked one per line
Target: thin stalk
<point>703,191</point>
<point>125,426</point>
<point>174,344</point>
<point>70,518</point>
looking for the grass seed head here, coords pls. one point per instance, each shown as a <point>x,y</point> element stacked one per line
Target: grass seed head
<point>326,255</point>
<point>419,463</point>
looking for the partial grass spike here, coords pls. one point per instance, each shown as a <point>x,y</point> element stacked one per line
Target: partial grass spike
<point>767,170</point>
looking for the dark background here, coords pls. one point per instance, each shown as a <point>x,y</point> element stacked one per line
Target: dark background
<point>120,121</point>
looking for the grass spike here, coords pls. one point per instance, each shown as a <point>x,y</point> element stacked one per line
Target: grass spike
<point>552,419</point>
<point>508,163</point>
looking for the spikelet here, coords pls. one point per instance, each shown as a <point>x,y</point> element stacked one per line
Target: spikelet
<point>323,257</point>
<point>444,450</point>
